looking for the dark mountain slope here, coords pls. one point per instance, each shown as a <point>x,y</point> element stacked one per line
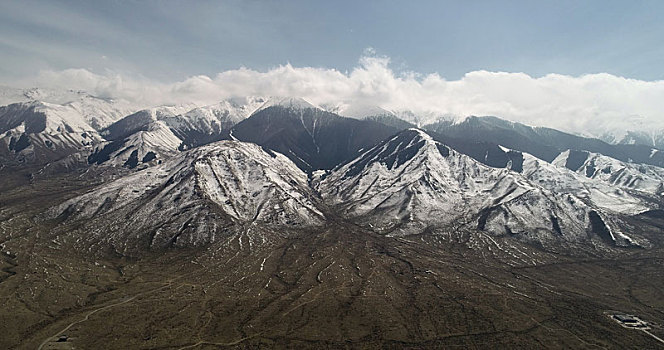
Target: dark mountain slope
<point>544,143</point>
<point>312,138</point>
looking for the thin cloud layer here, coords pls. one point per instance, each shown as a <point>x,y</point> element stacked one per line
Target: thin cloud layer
<point>590,103</point>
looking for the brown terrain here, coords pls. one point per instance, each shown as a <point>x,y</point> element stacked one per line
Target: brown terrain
<point>340,286</point>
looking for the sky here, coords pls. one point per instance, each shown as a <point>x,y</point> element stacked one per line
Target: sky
<point>556,63</point>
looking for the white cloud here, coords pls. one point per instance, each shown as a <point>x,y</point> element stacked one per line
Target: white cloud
<point>577,104</point>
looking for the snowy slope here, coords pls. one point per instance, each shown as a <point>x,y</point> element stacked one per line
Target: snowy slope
<point>161,132</point>
<point>596,192</point>
<point>139,138</point>
<point>97,112</point>
<point>44,117</point>
<point>358,111</point>
<point>42,131</point>
<point>44,125</point>
<point>292,103</point>
<point>411,181</point>
<point>198,196</point>
<point>100,113</point>
<point>641,177</point>
<point>206,124</point>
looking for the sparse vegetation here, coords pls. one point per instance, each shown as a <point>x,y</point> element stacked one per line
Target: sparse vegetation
<point>336,287</point>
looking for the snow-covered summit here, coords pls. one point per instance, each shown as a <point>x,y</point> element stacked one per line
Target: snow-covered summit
<point>295,103</point>
<point>411,181</point>
<point>40,130</point>
<point>357,111</point>
<point>199,196</point>
<point>213,119</point>
<point>641,177</point>
<point>96,111</point>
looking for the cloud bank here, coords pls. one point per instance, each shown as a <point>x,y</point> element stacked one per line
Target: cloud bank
<point>582,104</point>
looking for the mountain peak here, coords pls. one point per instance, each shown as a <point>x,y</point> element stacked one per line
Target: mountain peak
<point>358,111</point>
<point>398,150</point>
<point>287,102</point>
<point>419,133</point>
<point>411,181</point>
<point>200,196</point>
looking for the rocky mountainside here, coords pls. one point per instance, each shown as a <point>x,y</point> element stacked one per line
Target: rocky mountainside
<point>196,198</point>
<point>544,143</point>
<point>641,177</point>
<point>159,133</point>
<point>475,174</point>
<point>410,183</point>
<point>36,131</point>
<point>312,138</point>
<point>306,229</point>
<point>406,185</point>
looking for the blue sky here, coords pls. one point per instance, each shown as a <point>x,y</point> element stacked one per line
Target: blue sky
<point>172,40</point>
<point>583,66</point>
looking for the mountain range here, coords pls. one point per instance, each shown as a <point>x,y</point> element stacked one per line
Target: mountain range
<point>481,173</point>
<point>320,194</point>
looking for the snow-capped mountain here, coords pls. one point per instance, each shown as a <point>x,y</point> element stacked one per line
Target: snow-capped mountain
<point>161,132</point>
<point>45,125</point>
<point>206,124</point>
<point>595,191</point>
<point>153,142</point>
<point>100,113</point>
<point>642,177</point>
<point>410,182</point>
<point>544,143</point>
<point>96,111</point>
<point>198,197</point>
<point>139,138</point>
<point>39,131</point>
